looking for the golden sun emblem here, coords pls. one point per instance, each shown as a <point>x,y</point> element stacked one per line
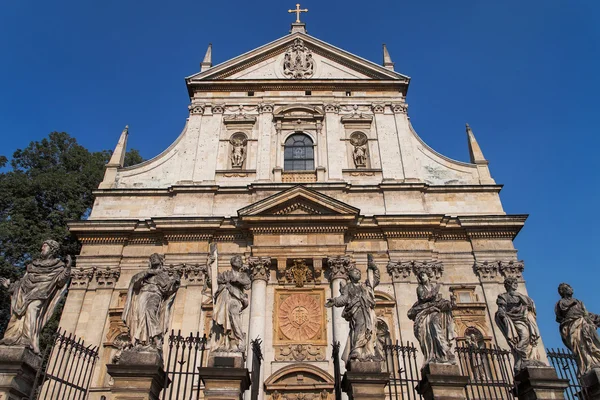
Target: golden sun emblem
<point>300,317</point>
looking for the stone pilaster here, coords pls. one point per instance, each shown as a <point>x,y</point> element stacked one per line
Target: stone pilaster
<point>18,367</point>
<point>338,274</point>
<point>442,381</point>
<point>137,376</point>
<point>259,272</point>
<point>540,383</point>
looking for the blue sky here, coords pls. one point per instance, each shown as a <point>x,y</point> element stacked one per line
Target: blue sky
<point>524,74</point>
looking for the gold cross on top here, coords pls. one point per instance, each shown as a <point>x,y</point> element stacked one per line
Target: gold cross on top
<point>298,11</point>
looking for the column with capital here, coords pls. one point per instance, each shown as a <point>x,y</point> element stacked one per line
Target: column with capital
<point>338,275</point>
<point>259,273</point>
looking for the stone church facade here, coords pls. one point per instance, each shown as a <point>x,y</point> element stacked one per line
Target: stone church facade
<point>300,157</point>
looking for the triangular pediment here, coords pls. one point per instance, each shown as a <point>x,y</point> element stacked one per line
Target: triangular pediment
<point>294,57</point>
<point>298,201</point>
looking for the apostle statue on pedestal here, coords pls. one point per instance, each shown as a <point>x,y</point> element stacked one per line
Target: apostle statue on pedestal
<point>229,302</point>
<point>147,309</point>
<point>358,300</point>
<point>578,329</point>
<point>516,318</point>
<point>35,296</point>
<point>434,326</point>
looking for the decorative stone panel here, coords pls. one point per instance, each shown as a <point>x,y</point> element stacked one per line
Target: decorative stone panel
<point>299,317</point>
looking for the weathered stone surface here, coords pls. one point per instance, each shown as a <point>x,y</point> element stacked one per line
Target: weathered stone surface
<point>539,383</point>
<point>365,380</point>
<point>18,367</point>
<point>442,381</point>
<point>222,383</point>
<point>139,375</point>
<point>591,384</point>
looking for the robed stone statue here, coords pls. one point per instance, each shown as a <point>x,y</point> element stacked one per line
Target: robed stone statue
<point>516,318</point>
<point>578,329</point>
<point>358,300</point>
<point>148,306</point>
<point>35,296</point>
<point>433,323</point>
<point>229,302</point>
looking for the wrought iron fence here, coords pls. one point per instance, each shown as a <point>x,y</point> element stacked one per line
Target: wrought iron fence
<point>66,369</point>
<point>257,358</point>
<point>565,365</point>
<point>489,369</point>
<point>337,375</point>
<point>184,356</point>
<point>401,363</point>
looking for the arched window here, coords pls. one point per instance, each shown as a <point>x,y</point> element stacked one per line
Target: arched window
<point>299,154</point>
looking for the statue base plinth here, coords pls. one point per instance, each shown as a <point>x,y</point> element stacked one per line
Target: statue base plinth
<point>18,367</point>
<point>138,375</point>
<point>539,383</point>
<point>224,378</point>
<point>365,380</point>
<point>591,384</point>
<point>223,359</point>
<point>442,381</point>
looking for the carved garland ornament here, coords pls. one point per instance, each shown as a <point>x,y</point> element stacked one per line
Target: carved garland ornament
<point>298,62</point>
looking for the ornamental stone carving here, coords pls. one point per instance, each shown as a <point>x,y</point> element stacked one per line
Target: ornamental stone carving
<point>299,273</point>
<point>401,270</point>
<point>487,271</point>
<point>490,270</point>
<point>378,108</point>
<point>298,62</point>
<point>512,269</point>
<point>265,108</point>
<point>218,109</point>
<point>359,152</point>
<point>400,108</point>
<point>196,109</point>
<point>332,108</point>
<point>107,277</point>
<point>259,268</point>
<point>238,143</point>
<point>300,352</point>
<point>300,316</point>
<point>81,277</point>
<point>339,266</point>
<point>195,274</point>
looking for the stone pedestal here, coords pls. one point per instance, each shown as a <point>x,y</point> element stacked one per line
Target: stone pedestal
<point>442,381</point>
<point>540,383</point>
<point>591,384</point>
<point>365,380</point>
<point>225,377</point>
<point>137,376</point>
<point>18,367</point>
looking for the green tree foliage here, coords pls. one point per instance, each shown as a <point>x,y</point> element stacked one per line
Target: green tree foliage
<point>49,183</point>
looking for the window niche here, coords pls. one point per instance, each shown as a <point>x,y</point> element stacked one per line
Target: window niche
<point>299,153</point>
<point>238,149</point>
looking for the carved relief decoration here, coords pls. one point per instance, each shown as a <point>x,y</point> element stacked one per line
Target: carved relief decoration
<point>299,273</point>
<point>299,381</point>
<point>80,277</point>
<point>196,109</point>
<point>259,267</point>
<point>298,62</point>
<point>339,266</point>
<point>238,143</point>
<point>401,270</point>
<point>359,152</point>
<point>107,276</point>
<point>300,352</point>
<point>490,270</point>
<point>300,317</point>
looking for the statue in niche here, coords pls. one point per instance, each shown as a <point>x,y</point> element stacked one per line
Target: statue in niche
<point>578,329</point>
<point>238,150</point>
<point>34,297</point>
<point>229,302</point>
<point>147,310</point>
<point>358,300</point>
<point>359,152</point>
<point>516,319</point>
<point>433,322</point>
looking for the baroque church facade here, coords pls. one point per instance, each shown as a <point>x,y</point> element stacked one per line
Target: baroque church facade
<point>301,158</point>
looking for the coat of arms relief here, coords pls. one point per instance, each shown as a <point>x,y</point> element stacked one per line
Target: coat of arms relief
<point>298,62</point>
